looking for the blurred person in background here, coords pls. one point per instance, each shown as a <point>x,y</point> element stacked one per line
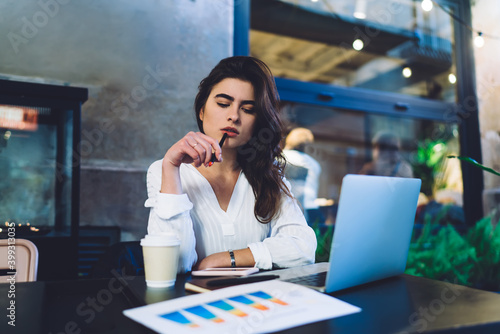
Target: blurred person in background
<point>302,170</point>
<point>387,160</point>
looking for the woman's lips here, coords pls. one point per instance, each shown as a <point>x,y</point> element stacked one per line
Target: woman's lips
<point>230,132</point>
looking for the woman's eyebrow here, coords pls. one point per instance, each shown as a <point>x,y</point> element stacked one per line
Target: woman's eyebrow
<point>230,98</point>
<point>225,96</point>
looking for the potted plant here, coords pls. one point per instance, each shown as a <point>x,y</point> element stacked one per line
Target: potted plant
<point>471,259</point>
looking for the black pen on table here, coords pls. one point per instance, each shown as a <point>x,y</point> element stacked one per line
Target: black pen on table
<point>241,280</point>
<point>213,159</point>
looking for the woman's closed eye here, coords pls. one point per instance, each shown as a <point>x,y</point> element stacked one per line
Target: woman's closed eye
<point>248,110</point>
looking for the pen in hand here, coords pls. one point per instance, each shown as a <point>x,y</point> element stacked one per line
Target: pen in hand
<point>242,280</point>
<point>213,159</point>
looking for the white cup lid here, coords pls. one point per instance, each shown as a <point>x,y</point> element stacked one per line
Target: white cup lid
<point>160,239</point>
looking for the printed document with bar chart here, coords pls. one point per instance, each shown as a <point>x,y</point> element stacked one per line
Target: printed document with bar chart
<point>250,308</point>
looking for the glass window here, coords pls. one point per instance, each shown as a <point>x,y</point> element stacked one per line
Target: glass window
<point>392,46</point>
<point>347,142</point>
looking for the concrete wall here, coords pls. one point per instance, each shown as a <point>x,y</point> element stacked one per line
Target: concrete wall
<point>142,62</point>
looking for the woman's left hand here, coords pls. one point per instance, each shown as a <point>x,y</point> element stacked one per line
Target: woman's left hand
<point>244,258</point>
<point>216,260</point>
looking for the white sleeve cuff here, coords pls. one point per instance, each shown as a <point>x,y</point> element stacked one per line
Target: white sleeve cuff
<point>261,255</point>
<point>167,206</point>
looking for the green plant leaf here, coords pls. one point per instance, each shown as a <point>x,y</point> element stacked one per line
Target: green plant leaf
<point>475,163</point>
<point>472,260</point>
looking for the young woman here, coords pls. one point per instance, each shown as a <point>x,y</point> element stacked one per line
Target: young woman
<point>239,210</point>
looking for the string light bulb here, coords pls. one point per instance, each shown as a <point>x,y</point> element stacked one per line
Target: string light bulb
<point>358,45</point>
<point>452,78</point>
<point>427,5</point>
<point>359,15</point>
<point>360,10</point>
<point>479,40</point>
<point>407,72</point>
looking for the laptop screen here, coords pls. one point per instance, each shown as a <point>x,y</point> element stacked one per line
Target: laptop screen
<point>373,229</point>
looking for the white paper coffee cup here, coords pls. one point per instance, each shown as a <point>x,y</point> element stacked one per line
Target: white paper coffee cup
<point>161,255</point>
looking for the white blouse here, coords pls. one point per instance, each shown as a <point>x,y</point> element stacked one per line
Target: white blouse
<point>204,228</point>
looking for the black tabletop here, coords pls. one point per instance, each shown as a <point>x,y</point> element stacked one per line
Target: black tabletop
<point>402,304</point>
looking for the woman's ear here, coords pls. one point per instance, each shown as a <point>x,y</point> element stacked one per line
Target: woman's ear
<point>202,113</point>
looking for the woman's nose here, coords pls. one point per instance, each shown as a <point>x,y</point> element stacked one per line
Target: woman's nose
<point>233,114</point>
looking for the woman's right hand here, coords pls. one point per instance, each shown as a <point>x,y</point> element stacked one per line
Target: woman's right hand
<point>195,148</point>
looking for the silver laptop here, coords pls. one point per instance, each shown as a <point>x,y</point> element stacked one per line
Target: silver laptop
<point>371,237</point>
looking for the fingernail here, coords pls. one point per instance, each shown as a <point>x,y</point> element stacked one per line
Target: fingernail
<point>210,163</point>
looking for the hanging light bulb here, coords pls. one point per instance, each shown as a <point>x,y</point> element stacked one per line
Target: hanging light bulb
<point>360,9</point>
<point>452,78</point>
<point>359,15</point>
<point>427,5</point>
<point>406,72</point>
<point>358,45</point>
<point>479,40</point>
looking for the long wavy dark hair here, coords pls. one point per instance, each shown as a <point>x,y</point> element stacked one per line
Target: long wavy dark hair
<point>261,158</point>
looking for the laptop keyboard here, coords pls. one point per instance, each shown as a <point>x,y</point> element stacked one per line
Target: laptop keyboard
<point>317,279</point>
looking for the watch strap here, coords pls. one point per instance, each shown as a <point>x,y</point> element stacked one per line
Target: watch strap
<point>233,261</point>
